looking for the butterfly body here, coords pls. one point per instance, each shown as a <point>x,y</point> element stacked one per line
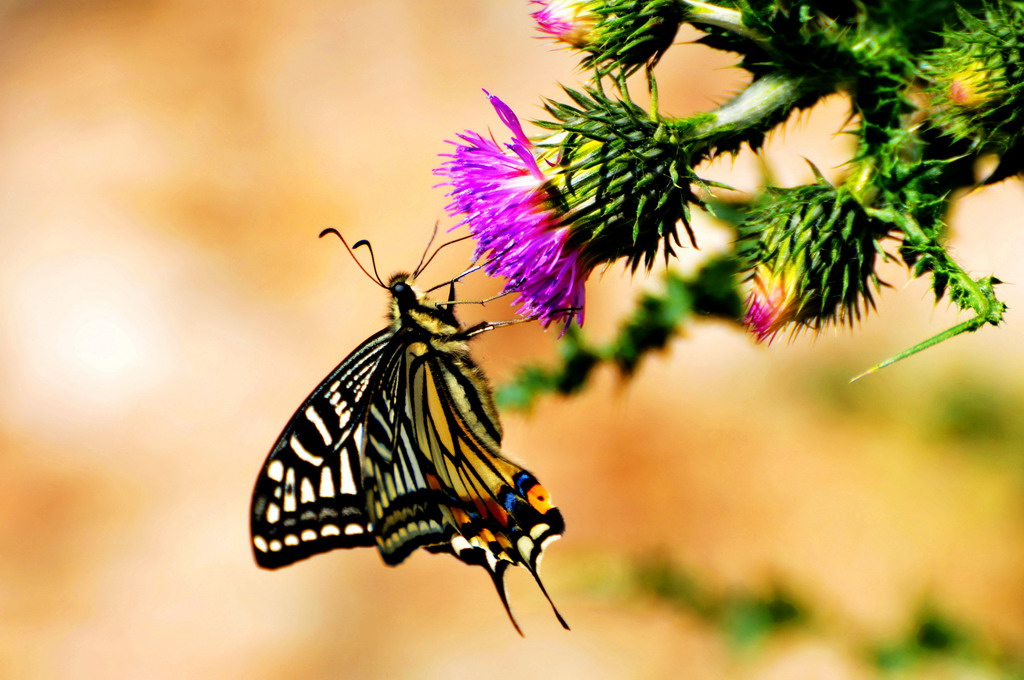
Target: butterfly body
<point>400,447</point>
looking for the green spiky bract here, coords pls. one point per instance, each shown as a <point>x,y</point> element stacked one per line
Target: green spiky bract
<point>629,34</point>
<point>976,81</point>
<point>624,179</point>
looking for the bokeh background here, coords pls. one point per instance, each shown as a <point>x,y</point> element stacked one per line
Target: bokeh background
<point>735,511</point>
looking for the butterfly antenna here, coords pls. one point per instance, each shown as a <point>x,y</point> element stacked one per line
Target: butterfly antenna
<point>420,267</point>
<point>419,270</point>
<point>332,230</point>
<point>474,268</point>
<point>373,260</point>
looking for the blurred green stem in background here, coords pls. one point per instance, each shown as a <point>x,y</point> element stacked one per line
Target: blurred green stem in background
<point>748,620</point>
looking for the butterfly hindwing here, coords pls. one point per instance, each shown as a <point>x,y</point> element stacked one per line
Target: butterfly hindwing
<point>502,514</point>
<point>406,512</point>
<point>308,497</point>
<point>434,475</point>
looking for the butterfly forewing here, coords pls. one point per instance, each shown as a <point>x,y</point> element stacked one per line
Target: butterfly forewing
<point>308,497</point>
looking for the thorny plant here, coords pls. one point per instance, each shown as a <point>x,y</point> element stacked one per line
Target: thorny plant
<point>933,86</point>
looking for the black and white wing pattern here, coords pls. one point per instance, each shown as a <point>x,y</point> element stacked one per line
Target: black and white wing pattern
<point>308,497</point>
<point>401,447</point>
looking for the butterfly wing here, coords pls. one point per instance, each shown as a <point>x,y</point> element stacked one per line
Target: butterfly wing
<point>405,511</point>
<point>434,476</point>
<point>501,511</point>
<point>401,446</point>
<point>308,497</point>
<point>433,469</point>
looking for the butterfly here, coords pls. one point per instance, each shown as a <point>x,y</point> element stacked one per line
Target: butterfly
<point>400,447</point>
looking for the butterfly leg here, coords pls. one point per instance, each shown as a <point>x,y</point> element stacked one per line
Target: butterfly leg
<point>491,325</point>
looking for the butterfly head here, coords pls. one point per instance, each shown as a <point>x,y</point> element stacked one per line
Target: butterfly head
<point>402,292</point>
<point>411,308</point>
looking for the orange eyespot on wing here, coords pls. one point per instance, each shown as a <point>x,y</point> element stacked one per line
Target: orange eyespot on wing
<point>539,498</point>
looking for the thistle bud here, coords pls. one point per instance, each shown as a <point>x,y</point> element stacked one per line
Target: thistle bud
<point>615,34</point>
<point>624,179</point>
<point>811,252</point>
<point>976,79</point>
<point>567,21</point>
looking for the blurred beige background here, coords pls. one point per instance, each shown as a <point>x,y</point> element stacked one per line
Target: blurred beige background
<point>165,167</point>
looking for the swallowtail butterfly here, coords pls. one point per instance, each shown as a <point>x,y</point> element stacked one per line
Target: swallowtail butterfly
<point>400,447</point>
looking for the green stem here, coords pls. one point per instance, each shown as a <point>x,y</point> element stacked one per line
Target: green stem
<point>860,182</point>
<point>757,101</point>
<point>988,310</point>
<point>652,87</point>
<point>980,301</point>
<point>968,326</point>
<point>722,17</point>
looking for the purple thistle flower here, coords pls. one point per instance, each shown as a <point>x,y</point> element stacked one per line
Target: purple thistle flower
<point>502,195</point>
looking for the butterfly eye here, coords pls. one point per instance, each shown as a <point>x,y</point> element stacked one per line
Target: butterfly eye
<point>404,293</point>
